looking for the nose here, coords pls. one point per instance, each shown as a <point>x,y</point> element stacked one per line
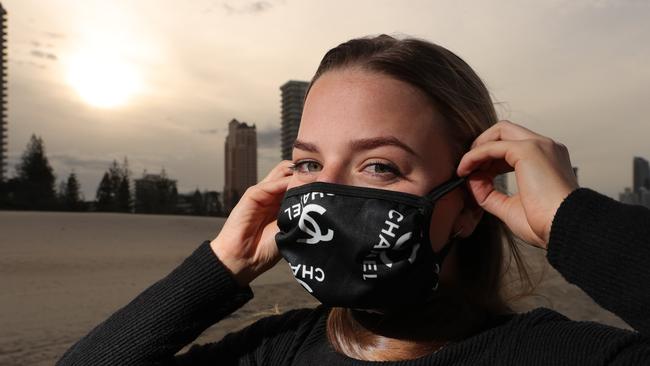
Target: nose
<point>333,173</point>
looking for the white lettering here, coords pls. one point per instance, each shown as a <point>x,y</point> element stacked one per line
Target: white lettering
<point>391,227</point>
<point>313,196</point>
<point>393,212</point>
<point>381,249</point>
<point>308,272</point>
<point>293,211</point>
<point>383,243</point>
<point>369,266</point>
<point>322,275</point>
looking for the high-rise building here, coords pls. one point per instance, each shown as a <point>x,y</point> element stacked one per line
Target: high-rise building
<point>627,196</point>
<point>241,162</point>
<point>639,194</point>
<point>501,183</point>
<point>641,175</point>
<point>644,197</point>
<point>3,93</point>
<point>293,95</point>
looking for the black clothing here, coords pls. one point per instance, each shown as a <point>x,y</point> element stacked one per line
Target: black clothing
<point>599,244</point>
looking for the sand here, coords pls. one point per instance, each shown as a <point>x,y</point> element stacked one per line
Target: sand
<point>61,274</point>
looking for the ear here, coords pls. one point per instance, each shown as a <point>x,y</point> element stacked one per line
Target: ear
<point>468,218</point>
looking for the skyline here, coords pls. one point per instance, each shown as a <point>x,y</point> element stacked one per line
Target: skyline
<point>575,71</point>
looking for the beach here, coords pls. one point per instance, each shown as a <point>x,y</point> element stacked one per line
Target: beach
<point>62,273</point>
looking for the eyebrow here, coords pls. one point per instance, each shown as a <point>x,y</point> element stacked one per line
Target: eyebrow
<point>362,144</point>
<point>305,146</point>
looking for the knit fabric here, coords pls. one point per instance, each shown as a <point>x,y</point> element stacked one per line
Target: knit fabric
<point>596,243</point>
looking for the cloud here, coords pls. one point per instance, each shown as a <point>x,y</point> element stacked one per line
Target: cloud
<point>212,131</point>
<point>80,162</point>
<point>38,51</point>
<point>269,138</point>
<point>38,44</point>
<point>253,7</point>
<point>54,35</point>
<point>44,55</point>
<point>30,63</point>
<point>67,161</point>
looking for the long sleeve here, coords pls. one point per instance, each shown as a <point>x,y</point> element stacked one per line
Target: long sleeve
<point>603,246</point>
<point>165,317</point>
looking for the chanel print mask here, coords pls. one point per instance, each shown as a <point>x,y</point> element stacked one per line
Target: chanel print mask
<point>359,247</point>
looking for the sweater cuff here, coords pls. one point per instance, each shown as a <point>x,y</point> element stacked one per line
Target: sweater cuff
<point>583,214</point>
<point>212,281</point>
<point>600,245</point>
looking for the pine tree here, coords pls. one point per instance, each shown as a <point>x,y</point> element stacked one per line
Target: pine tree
<point>36,179</point>
<point>73,197</point>
<point>105,196</point>
<point>124,199</point>
<point>198,204</point>
<point>60,194</point>
<point>114,191</point>
<point>168,194</point>
<point>115,177</point>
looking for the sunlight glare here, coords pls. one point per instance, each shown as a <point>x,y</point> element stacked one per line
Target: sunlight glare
<point>101,80</point>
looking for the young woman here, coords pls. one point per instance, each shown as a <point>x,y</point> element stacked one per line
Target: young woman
<point>388,214</point>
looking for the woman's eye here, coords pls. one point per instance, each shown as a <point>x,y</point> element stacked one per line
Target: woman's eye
<point>307,166</point>
<point>382,169</point>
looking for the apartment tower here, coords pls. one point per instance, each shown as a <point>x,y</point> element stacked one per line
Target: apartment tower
<point>241,162</point>
<point>3,94</point>
<point>293,95</point>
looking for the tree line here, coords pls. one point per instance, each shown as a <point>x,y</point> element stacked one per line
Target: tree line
<point>33,188</point>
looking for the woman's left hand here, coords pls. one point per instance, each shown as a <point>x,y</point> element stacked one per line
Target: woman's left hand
<point>543,173</point>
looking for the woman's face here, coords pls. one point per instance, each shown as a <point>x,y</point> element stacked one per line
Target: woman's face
<point>366,129</point>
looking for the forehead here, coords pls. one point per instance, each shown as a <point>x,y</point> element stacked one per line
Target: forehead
<point>349,104</point>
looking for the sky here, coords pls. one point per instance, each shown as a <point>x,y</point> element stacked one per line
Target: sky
<point>157,81</point>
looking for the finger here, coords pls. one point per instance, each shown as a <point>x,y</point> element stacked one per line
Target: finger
<point>506,208</point>
<point>269,192</point>
<point>507,151</point>
<point>504,130</point>
<point>282,169</point>
<point>482,187</point>
<point>495,167</point>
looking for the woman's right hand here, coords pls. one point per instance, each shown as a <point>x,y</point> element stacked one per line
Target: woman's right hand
<point>246,243</point>
<point>543,172</point>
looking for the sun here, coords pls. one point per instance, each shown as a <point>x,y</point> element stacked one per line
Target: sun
<point>102,80</point>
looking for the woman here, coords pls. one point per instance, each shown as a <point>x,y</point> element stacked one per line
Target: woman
<point>385,116</point>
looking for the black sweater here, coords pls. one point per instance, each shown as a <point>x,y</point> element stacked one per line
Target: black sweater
<point>598,244</point>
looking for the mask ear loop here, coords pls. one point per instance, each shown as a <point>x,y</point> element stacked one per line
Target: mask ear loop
<point>445,188</point>
<point>434,196</point>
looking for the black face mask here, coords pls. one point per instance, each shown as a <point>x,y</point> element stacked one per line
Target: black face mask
<point>359,247</point>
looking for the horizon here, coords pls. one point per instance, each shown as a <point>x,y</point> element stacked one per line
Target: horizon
<point>168,77</point>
